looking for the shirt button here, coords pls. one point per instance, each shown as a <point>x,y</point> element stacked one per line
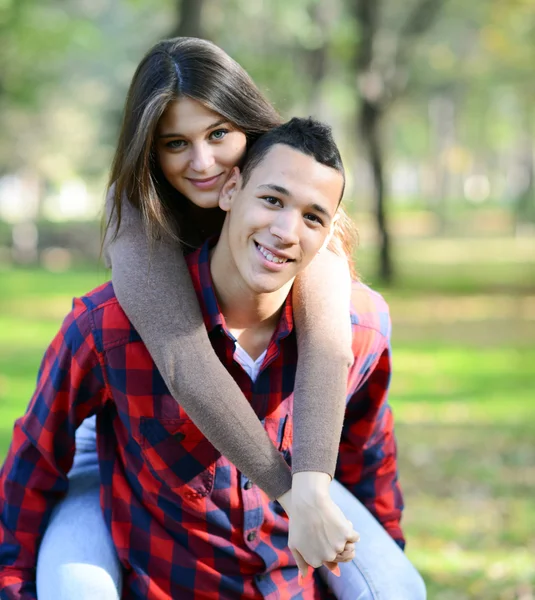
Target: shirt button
<point>251,536</point>
<point>248,485</point>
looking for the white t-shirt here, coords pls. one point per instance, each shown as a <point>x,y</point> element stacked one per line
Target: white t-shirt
<point>250,366</point>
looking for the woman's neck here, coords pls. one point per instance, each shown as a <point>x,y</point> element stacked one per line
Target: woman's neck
<point>206,221</point>
<point>195,227</point>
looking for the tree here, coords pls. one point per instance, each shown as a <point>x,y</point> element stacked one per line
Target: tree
<point>190,19</point>
<point>381,78</point>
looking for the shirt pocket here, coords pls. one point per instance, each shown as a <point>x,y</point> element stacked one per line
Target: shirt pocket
<point>179,455</point>
<point>280,430</point>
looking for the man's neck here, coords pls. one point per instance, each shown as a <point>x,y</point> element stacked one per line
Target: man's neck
<point>250,317</point>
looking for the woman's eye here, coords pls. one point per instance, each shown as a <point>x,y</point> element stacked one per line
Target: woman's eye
<point>219,134</point>
<point>175,144</point>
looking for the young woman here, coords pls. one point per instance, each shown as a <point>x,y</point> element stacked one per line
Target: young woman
<point>190,114</point>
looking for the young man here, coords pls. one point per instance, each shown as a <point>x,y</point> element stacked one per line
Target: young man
<point>184,521</point>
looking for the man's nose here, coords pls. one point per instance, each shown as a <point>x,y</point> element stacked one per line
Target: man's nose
<point>286,227</point>
<point>202,158</point>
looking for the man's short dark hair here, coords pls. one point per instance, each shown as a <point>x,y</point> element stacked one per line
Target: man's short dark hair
<point>308,136</point>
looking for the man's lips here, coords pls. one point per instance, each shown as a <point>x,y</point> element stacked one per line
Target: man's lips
<point>272,256</point>
<point>206,183</point>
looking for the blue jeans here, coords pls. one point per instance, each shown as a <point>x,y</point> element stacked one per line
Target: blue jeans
<point>77,558</point>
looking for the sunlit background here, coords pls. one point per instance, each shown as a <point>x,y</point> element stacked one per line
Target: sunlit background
<point>433,104</point>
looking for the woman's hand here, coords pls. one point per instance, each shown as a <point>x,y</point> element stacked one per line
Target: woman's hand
<point>319,532</point>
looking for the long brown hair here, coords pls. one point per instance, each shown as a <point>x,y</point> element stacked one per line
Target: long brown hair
<point>174,68</point>
<point>345,239</point>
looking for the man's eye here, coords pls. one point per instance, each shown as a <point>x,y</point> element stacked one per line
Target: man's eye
<point>219,134</point>
<point>175,144</point>
<point>272,200</point>
<point>314,218</point>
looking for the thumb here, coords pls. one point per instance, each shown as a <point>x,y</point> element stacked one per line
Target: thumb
<point>302,565</point>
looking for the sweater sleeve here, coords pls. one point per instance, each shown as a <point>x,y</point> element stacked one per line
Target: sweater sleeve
<point>153,286</point>
<point>322,313</point>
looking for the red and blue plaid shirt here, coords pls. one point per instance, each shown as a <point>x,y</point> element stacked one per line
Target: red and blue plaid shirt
<point>185,522</point>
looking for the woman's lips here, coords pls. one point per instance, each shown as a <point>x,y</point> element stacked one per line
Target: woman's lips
<point>205,184</point>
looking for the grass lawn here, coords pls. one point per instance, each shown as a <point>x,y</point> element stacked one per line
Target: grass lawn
<point>464,401</point>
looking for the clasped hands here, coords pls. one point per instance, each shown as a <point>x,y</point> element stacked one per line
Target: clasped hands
<point>319,533</point>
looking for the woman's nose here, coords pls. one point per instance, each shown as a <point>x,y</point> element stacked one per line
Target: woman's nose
<point>202,158</point>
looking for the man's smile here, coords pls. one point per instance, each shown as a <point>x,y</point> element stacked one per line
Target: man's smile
<point>274,258</point>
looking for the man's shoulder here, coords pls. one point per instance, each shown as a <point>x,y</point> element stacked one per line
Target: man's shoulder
<point>100,311</point>
<point>369,309</point>
<point>98,297</point>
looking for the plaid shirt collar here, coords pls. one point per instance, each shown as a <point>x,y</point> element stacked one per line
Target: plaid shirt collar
<point>214,320</point>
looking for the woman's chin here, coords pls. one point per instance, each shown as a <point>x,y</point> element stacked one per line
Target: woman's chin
<point>205,200</point>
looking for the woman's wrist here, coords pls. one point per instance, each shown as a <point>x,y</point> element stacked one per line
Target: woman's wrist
<point>310,486</point>
<point>286,501</point>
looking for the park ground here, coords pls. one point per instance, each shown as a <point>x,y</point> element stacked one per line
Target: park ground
<point>463,395</point>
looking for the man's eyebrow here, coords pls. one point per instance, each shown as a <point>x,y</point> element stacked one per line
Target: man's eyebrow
<point>320,209</point>
<point>212,126</point>
<point>276,188</point>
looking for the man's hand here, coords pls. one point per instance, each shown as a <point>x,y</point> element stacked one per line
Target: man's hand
<point>319,532</point>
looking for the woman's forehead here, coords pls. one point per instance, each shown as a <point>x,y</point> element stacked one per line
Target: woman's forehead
<point>186,116</point>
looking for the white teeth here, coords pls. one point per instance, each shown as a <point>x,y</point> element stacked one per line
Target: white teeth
<point>270,257</point>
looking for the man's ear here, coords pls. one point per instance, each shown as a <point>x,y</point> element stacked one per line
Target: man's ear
<point>332,227</point>
<point>229,189</point>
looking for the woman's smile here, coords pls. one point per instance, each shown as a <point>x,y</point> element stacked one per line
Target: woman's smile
<point>206,183</point>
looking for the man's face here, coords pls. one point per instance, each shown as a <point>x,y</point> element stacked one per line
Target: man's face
<point>280,219</point>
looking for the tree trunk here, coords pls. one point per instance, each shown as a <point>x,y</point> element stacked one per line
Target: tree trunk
<point>372,87</point>
<point>316,59</point>
<point>525,205</point>
<point>190,23</point>
<point>370,128</point>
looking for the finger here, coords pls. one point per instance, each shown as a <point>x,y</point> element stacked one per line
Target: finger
<point>348,546</point>
<point>342,547</point>
<point>302,564</point>
<point>353,536</point>
<point>346,556</point>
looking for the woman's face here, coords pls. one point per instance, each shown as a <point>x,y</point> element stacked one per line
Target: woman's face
<point>197,149</point>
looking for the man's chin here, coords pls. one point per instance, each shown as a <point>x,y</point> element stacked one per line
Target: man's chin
<point>267,284</point>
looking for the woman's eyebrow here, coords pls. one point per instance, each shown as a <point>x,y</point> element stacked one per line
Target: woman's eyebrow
<point>217,124</point>
<point>212,126</point>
